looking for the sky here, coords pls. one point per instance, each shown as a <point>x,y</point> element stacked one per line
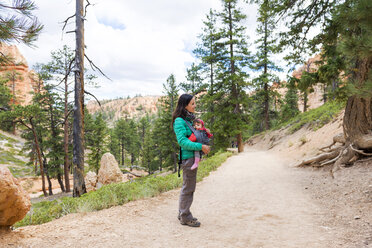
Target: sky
<point>137,44</point>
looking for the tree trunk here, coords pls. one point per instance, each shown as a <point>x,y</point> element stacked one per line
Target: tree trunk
<point>266,86</point>
<point>358,121</point>
<point>305,101</point>
<point>161,162</point>
<point>358,111</point>
<point>66,162</point>
<point>78,130</point>
<point>235,93</point>
<point>37,147</point>
<point>122,153</point>
<point>50,187</point>
<point>266,106</point>
<point>175,164</point>
<point>240,142</point>
<point>60,181</point>
<point>132,159</point>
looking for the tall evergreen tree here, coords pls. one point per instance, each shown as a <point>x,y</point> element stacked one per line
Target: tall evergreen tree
<point>25,116</point>
<point>97,142</point>
<point>266,48</point>
<point>167,139</point>
<point>230,93</point>
<point>61,68</point>
<point>346,27</point>
<point>208,51</point>
<point>194,84</point>
<point>290,106</point>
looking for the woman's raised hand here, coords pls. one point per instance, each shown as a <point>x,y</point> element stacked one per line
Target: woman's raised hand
<point>206,149</point>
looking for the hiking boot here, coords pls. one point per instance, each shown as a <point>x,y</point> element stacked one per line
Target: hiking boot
<point>179,217</point>
<point>192,223</point>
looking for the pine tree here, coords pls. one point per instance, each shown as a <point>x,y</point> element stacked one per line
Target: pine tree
<point>113,144</point>
<point>266,49</point>
<point>194,84</point>
<point>50,133</point>
<point>17,22</point>
<point>166,138</point>
<point>60,67</point>
<point>347,28</point>
<point>290,106</point>
<point>121,133</point>
<point>5,97</point>
<point>25,116</point>
<point>208,51</point>
<point>230,88</point>
<point>97,142</point>
<point>305,85</point>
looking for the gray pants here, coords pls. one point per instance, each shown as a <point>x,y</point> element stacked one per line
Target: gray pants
<point>188,189</point>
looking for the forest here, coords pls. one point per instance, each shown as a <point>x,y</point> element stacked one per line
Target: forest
<point>234,80</point>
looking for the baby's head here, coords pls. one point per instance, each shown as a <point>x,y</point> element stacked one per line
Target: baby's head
<point>198,124</point>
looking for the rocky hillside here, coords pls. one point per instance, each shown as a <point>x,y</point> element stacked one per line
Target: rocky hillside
<point>136,107</point>
<point>12,155</point>
<point>22,80</point>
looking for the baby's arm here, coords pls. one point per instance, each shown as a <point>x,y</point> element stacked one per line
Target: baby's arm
<point>192,137</point>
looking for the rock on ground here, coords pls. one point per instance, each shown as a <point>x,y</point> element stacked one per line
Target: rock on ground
<point>14,202</point>
<point>109,171</point>
<point>90,181</point>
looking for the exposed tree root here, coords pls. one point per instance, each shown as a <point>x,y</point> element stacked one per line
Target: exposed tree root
<point>339,138</point>
<point>322,157</point>
<point>340,156</point>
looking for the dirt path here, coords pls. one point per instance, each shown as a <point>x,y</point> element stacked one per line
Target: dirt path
<point>252,200</point>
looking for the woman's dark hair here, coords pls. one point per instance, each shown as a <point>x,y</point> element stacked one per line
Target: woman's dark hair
<point>180,111</point>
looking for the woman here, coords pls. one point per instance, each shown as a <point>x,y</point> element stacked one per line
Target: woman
<point>185,112</point>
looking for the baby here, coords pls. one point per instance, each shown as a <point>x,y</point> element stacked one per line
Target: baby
<point>198,125</point>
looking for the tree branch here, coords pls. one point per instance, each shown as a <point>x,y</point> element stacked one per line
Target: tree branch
<point>66,21</point>
<point>86,6</point>
<point>93,66</point>
<point>86,92</point>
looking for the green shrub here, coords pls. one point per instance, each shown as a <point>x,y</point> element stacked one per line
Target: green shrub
<point>115,194</point>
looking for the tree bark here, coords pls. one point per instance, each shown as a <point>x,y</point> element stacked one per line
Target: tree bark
<point>37,147</point>
<point>60,181</point>
<point>50,187</point>
<point>266,86</point>
<point>234,89</point>
<point>78,130</point>
<point>66,162</point>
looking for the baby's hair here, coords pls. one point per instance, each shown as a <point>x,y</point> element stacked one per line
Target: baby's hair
<point>197,121</point>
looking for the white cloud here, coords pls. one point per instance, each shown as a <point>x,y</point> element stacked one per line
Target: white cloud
<point>138,44</point>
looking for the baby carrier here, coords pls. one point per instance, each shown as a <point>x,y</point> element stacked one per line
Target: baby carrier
<point>201,137</point>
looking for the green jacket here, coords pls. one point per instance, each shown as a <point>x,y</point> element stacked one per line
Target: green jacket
<point>182,133</point>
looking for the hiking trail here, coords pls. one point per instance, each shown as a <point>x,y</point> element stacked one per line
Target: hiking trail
<point>252,200</point>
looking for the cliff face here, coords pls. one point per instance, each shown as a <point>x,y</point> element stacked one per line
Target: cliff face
<point>21,80</point>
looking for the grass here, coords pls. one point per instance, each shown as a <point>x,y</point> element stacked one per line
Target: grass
<point>115,194</point>
<point>9,139</point>
<point>21,171</point>
<point>7,157</point>
<point>316,118</point>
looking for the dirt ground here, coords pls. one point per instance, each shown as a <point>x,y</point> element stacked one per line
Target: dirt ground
<point>253,200</point>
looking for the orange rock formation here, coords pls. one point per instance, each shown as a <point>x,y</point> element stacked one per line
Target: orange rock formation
<point>22,81</point>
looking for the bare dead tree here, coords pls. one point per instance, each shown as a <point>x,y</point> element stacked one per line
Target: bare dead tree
<point>78,124</point>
